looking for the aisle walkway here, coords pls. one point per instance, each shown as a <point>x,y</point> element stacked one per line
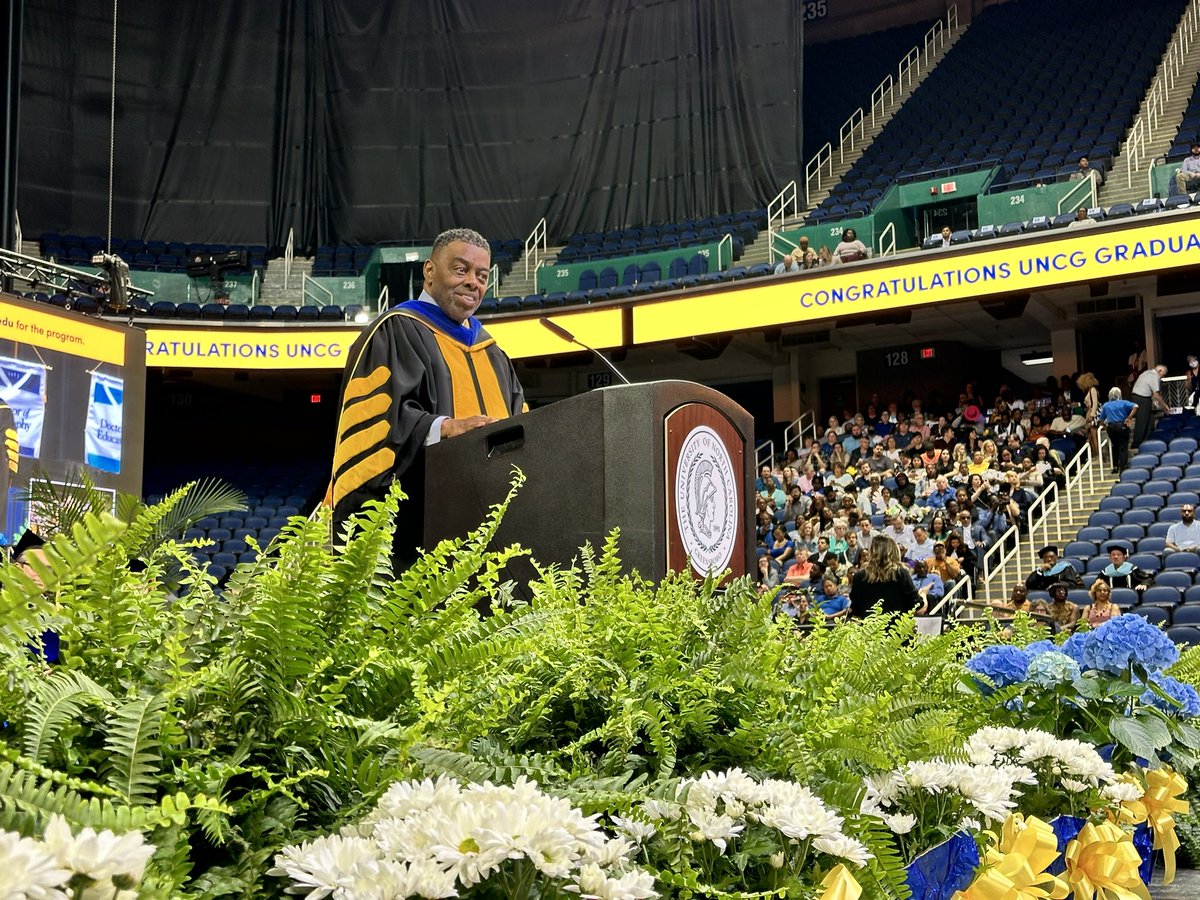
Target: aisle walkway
<point>1185,887</point>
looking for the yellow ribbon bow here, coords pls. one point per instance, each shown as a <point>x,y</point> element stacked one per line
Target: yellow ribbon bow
<point>1162,800</point>
<point>1102,862</point>
<point>839,884</point>
<point>1015,867</point>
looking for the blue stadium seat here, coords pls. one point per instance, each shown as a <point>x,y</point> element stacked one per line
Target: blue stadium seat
<point>1135,475</point>
<point>1127,490</point>
<point>1184,560</point>
<point>1184,634</point>
<point>1174,578</point>
<point>1143,517</point>
<point>1158,487</point>
<point>1104,518</point>
<point>1148,561</point>
<point>1152,445</point>
<point>1161,595</point>
<point>1189,612</point>
<point>1149,501</point>
<point>1151,544</point>
<point>1155,615</point>
<point>1128,531</point>
<point>1115,504</point>
<point>1182,444</point>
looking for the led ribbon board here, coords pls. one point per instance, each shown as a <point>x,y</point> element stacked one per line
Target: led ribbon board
<point>987,269</point>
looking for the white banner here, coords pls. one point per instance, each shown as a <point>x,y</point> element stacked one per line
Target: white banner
<point>23,388</point>
<point>102,438</point>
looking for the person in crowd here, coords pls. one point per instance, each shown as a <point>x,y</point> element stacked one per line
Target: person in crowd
<point>770,575</point>
<point>826,557</point>
<point>781,550</point>
<point>764,528</point>
<point>1082,219</point>
<point>765,483</point>
<point>1069,423</point>
<point>1120,572</point>
<point>1087,170</point>
<point>1184,534</point>
<point>1187,179</point>
<point>1052,571</point>
<point>806,537</point>
<point>1102,608</point>
<point>850,248</point>
<point>1018,601</point>
<point>1137,363</point>
<point>921,548</point>
<point>945,236</point>
<point>824,257</point>
<point>1088,383</point>
<point>942,491</point>
<point>831,599</point>
<point>942,564</point>
<point>401,391</point>
<point>803,257</point>
<point>793,604</point>
<point>1117,416</point>
<point>1047,465</point>
<point>1193,383</point>
<point>1147,391</point>
<point>800,571</point>
<point>1064,613</point>
<point>938,529</point>
<point>884,581</point>
<point>958,552</point>
<point>928,584</point>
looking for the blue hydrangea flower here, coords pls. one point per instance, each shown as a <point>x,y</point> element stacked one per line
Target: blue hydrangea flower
<point>1052,668</point>
<point>1001,664</point>
<point>1125,639</point>
<point>1185,694</point>
<point>1042,646</point>
<point>1073,647</point>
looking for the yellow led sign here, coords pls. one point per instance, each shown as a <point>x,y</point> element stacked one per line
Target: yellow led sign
<point>261,348</point>
<point>64,333</point>
<point>524,338</point>
<point>1079,255</point>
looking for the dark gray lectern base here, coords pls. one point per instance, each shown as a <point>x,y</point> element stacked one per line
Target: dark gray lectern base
<point>593,462</point>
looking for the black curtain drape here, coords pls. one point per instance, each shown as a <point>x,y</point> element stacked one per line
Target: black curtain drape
<point>355,121</point>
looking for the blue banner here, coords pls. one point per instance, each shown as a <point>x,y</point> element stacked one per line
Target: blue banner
<point>23,387</point>
<point>102,437</point>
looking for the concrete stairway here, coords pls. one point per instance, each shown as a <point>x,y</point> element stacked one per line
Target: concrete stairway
<point>516,283</point>
<point>272,292</point>
<point>1117,187</point>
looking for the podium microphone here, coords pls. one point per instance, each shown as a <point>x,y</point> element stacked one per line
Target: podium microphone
<point>571,339</point>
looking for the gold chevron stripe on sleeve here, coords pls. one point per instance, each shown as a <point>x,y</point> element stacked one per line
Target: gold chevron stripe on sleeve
<point>362,411</point>
<point>355,477</point>
<point>360,387</point>
<point>358,443</point>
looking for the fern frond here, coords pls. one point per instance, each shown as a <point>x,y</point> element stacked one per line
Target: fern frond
<point>132,742</point>
<point>57,699</point>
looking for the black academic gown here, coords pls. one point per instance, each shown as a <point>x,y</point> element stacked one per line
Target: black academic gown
<point>404,371</point>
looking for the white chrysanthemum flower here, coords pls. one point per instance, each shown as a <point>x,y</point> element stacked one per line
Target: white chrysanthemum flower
<point>98,855</point>
<point>802,820</point>
<point>323,864</point>
<point>405,798</point>
<point>933,775</point>
<point>776,860</point>
<point>655,810</point>
<point>969,824</point>
<point>844,846</point>
<point>885,787</point>
<point>900,823</point>
<point>29,870</point>
<point>1075,787</point>
<point>610,854</point>
<point>592,883</point>
<point>385,879</point>
<point>1121,792</point>
<point>637,831</point>
<point>714,828</point>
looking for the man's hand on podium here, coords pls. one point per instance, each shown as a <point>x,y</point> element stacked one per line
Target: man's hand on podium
<point>454,427</point>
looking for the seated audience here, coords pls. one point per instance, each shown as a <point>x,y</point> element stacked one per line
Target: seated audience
<point>1051,571</point>
<point>1102,608</point>
<point>1184,534</point>
<point>1121,573</point>
<point>1064,613</point>
<point>831,600</point>
<point>928,585</point>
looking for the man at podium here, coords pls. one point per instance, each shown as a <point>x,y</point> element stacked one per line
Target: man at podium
<point>422,372</point>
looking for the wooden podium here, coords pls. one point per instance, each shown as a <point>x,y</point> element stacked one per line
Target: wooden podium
<point>669,463</point>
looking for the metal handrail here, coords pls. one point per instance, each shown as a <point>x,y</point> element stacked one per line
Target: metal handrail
<point>889,249</point>
<point>775,238</point>
<point>1102,441</point>
<point>727,242</point>
<point>795,431</point>
<point>289,253</point>
<point>1081,463</point>
<point>1047,502</point>
<point>964,585</point>
<point>777,209</point>
<point>254,287</point>
<point>18,238</point>
<point>535,246</point>
<point>384,300</point>
<point>1140,134</point>
<point>906,75</point>
<point>493,280</point>
<point>993,564</point>
<point>306,282</point>
<point>759,460</point>
<point>1089,184</point>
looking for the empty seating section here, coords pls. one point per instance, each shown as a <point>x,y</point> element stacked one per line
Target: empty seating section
<point>1029,88</point>
<point>161,256</point>
<point>1138,514</point>
<point>839,78</point>
<point>273,495</point>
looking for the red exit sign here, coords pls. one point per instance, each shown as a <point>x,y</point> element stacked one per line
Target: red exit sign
<point>926,353</point>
